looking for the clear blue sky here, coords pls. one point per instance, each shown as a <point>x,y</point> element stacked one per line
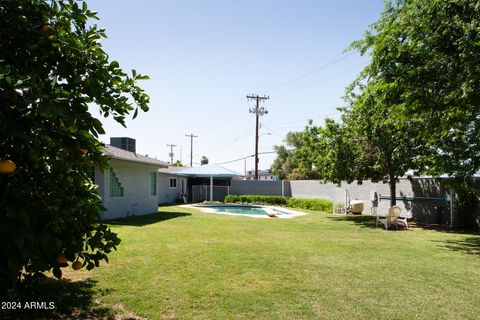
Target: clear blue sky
<point>204,57</point>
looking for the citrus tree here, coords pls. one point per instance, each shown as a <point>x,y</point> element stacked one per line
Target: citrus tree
<point>54,76</point>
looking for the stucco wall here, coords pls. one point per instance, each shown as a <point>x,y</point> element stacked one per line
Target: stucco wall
<point>135,179</point>
<point>167,194</point>
<point>426,210</point>
<point>422,209</point>
<point>258,187</point>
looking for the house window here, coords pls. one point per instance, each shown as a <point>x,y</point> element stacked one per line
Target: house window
<point>173,183</point>
<point>153,183</point>
<point>116,189</point>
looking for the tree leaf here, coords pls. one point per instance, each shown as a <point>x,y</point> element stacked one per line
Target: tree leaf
<point>57,272</point>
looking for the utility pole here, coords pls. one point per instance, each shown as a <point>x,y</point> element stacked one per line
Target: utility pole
<point>257,111</point>
<point>245,168</point>
<point>171,152</point>
<point>191,135</point>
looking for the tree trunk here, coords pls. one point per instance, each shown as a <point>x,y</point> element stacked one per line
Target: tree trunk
<point>392,183</point>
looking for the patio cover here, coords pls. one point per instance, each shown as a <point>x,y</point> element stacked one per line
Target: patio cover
<point>208,171</point>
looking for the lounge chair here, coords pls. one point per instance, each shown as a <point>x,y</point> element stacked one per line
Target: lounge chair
<point>392,217</point>
<point>402,219</point>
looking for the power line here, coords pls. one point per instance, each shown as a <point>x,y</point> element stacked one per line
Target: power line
<point>243,158</point>
<point>319,81</point>
<point>305,75</point>
<point>230,142</point>
<point>264,126</point>
<point>246,157</point>
<point>284,124</point>
<point>236,109</point>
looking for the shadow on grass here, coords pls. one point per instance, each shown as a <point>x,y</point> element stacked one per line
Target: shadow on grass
<point>140,221</point>
<point>363,221</point>
<point>56,299</point>
<point>370,222</point>
<point>470,245</point>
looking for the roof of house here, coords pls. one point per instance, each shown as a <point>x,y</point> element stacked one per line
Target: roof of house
<point>117,153</point>
<point>208,170</point>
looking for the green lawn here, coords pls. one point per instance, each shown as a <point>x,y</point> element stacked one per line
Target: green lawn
<point>184,264</point>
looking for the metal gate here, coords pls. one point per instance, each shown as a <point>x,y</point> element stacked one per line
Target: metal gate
<point>202,193</point>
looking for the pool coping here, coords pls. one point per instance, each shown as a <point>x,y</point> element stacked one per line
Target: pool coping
<point>292,213</point>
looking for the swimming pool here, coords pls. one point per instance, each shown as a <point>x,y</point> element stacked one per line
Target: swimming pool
<point>254,211</point>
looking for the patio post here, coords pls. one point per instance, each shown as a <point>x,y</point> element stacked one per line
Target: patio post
<point>211,188</point>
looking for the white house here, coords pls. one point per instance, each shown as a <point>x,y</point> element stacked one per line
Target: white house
<point>170,185</point>
<point>262,175</point>
<point>130,187</point>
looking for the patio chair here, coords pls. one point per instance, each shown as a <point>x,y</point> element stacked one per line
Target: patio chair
<point>402,220</point>
<point>391,218</point>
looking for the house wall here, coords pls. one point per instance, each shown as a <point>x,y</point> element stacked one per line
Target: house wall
<point>167,194</point>
<point>135,179</point>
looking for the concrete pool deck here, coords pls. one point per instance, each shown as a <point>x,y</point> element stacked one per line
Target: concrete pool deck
<point>276,211</point>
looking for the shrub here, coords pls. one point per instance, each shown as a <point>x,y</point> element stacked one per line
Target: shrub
<point>309,204</point>
<point>323,205</point>
<point>267,200</point>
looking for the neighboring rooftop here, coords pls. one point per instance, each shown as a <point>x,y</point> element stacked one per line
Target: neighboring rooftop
<point>117,153</point>
<point>170,170</point>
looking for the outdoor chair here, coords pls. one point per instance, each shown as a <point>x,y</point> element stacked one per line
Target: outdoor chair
<point>402,220</point>
<point>392,217</point>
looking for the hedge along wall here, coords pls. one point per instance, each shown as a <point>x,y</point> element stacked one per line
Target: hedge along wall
<point>309,204</point>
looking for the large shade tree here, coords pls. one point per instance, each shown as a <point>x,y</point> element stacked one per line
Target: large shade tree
<point>429,54</point>
<point>54,77</point>
<point>287,165</point>
<point>416,105</point>
<point>367,144</point>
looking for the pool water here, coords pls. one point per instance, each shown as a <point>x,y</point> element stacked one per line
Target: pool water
<point>253,211</point>
<point>240,210</point>
<point>244,210</point>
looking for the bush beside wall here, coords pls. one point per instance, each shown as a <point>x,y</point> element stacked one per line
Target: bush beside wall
<point>309,204</point>
<point>267,200</point>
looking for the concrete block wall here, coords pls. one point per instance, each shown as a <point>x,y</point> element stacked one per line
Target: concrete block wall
<point>422,209</point>
<point>423,190</point>
<point>258,187</point>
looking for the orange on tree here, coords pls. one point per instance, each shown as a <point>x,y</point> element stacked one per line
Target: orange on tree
<point>60,259</point>
<point>7,166</point>
<point>77,265</point>
<point>47,31</point>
